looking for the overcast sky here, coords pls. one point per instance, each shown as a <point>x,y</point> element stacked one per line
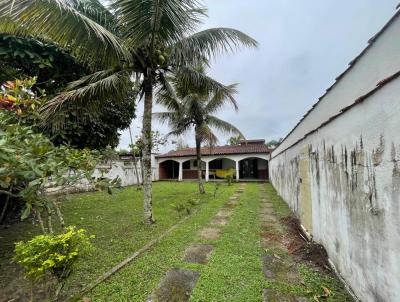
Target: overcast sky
<point>304,45</point>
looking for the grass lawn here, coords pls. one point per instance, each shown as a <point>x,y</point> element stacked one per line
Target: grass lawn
<point>233,273</point>
<point>116,221</point>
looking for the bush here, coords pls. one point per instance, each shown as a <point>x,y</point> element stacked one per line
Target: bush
<point>53,254</point>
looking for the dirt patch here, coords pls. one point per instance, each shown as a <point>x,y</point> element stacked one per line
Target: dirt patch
<point>198,253</point>
<point>220,221</point>
<point>210,233</point>
<point>229,205</point>
<point>176,286</point>
<point>271,236</point>
<point>296,243</point>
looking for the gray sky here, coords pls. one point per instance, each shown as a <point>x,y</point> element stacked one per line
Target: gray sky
<point>304,45</point>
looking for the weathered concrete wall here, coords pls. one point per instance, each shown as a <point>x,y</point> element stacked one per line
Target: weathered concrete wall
<point>343,181</point>
<point>122,169</point>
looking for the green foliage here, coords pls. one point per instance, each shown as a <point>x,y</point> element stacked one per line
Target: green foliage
<point>50,253</point>
<point>54,68</point>
<point>234,140</point>
<point>29,161</point>
<point>157,140</point>
<point>84,128</point>
<point>229,178</point>
<point>22,56</point>
<point>186,207</point>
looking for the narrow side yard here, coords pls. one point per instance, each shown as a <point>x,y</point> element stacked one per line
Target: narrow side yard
<point>294,269</point>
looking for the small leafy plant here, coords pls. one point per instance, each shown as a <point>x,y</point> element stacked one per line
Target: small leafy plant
<point>52,254</point>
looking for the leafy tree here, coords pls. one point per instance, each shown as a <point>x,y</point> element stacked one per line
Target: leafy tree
<point>54,68</point>
<point>180,144</point>
<point>234,140</point>
<point>193,106</point>
<point>29,161</point>
<point>136,40</point>
<point>274,142</point>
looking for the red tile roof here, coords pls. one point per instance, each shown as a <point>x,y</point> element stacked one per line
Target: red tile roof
<point>219,150</point>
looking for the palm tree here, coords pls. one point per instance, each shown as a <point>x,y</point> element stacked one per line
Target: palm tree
<point>131,46</point>
<point>192,106</point>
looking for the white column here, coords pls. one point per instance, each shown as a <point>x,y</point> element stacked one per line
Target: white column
<point>207,172</point>
<point>180,171</point>
<point>237,170</point>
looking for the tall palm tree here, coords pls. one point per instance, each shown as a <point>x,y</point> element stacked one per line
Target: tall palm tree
<point>192,106</point>
<point>131,46</point>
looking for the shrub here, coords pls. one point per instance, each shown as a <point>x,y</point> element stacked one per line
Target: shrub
<point>51,253</point>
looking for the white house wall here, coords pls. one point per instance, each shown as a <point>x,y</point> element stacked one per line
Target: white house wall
<point>350,171</point>
<point>378,62</point>
<point>207,158</point>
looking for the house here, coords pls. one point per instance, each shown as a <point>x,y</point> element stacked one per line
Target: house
<point>247,160</point>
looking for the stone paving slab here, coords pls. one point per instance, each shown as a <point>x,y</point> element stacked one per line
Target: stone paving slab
<point>210,233</point>
<point>269,211</point>
<point>268,266</point>
<point>268,217</point>
<point>224,213</point>
<point>198,253</point>
<point>222,221</point>
<point>176,286</point>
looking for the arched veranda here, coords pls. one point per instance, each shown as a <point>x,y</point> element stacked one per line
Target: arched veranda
<point>253,168</point>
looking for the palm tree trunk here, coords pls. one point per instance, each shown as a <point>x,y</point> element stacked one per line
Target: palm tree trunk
<point>199,172</point>
<point>146,158</point>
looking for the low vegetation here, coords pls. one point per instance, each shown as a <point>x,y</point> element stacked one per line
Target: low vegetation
<point>116,222</point>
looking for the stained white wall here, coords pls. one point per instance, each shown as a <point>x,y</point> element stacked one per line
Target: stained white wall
<point>125,170</point>
<point>380,61</point>
<point>354,171</point>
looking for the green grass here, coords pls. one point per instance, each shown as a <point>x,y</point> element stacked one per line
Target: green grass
<point>234,270</point>
<point>281,208</point>
<point>313,279</point>
<point>137,280</point>
<point>116,221</point>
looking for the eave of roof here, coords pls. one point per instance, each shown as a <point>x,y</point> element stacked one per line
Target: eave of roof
<point>219,150</point>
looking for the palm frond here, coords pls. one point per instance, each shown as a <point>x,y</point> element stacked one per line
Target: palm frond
<point>220,98</point>
<point>192,80</point>
<point>165,117</point>
<point>223,126</point>
<point>205,134</point>
<point>163,20</point>
<point>90,91</point>
<point>96,11</point>
<point>208,44</point>
<point>166,95</point>
<point>61,22</point>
